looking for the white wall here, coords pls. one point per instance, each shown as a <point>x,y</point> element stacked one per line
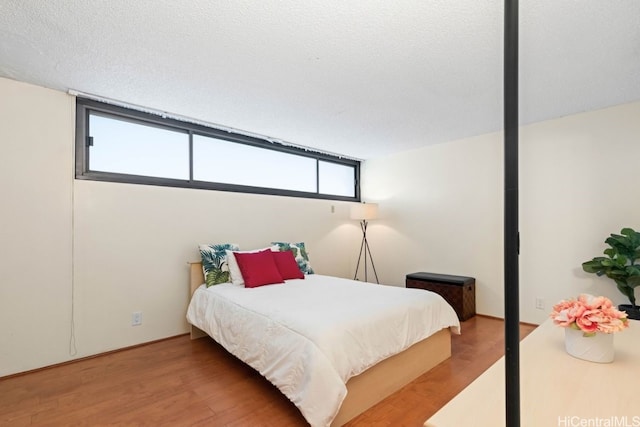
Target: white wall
<point>131,243</point>
<point>36,158</point>
<point>442,207</point>
<point>579,183</point>
<point>440,211</point>
<point>124,247</point>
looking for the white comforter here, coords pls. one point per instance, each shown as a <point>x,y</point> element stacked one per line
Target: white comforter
<point>308,337</point>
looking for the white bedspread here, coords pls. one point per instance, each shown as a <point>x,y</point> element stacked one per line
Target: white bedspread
<point>308,337</point>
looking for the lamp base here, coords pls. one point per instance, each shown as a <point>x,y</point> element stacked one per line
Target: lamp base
<point>364,248</point>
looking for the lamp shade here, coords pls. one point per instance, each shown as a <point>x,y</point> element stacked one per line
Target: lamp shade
<point>364,211</point>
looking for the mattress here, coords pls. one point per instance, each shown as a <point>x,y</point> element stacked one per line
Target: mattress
<point>309,336</point>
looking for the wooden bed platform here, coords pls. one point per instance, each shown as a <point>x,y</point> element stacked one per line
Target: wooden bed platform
<point>379,381</point>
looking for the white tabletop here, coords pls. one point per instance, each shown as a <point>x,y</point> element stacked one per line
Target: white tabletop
<point>555,389</point>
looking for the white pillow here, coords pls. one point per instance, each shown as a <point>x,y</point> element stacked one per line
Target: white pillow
<point>234,269</point>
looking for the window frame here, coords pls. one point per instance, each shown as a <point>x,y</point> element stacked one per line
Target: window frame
<point>84,107</point>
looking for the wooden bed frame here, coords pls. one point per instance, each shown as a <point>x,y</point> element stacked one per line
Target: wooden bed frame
<point>379,381</point>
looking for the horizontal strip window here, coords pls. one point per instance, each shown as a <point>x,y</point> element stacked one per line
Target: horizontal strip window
<point>122,145</point>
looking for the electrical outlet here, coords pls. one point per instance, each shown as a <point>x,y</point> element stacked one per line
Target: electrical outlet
<point>136,318</point>
<point>539,303</point>
<point>333,209</point>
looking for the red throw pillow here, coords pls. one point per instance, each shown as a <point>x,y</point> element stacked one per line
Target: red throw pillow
<point>287,265</point>
<point>258,268</point>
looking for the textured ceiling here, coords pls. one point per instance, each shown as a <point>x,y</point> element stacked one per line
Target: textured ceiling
<point>362,78</point>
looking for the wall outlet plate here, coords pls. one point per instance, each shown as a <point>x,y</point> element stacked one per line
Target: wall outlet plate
<point>136,318</point>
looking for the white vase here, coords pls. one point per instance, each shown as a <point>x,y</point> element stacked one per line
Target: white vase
<point>597,348</point>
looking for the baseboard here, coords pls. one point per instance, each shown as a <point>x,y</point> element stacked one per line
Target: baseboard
<point>502,318</point>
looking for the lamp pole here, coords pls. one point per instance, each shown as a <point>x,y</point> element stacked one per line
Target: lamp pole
<point>363,225</point>
<point>511,232</point>
<point>364,248</point>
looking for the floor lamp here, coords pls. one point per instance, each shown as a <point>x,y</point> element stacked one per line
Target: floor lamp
<point>364,212</point>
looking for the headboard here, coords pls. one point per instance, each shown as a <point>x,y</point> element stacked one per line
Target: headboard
<point>196,278</point>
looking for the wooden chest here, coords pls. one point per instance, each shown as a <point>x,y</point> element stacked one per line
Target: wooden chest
<point>458,291</point>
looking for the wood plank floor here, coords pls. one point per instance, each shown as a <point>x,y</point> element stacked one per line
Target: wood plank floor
<point>178,382</point>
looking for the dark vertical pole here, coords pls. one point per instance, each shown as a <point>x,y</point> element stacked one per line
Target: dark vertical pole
<point>511,237</point>
<point>364,240</point>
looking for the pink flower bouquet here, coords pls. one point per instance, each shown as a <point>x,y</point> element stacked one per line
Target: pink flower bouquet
<point>589,314</point>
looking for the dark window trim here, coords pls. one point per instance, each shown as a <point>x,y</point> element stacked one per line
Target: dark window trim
<point>86,106</point>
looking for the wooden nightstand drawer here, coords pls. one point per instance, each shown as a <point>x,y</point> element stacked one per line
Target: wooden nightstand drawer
<point>458,291</point>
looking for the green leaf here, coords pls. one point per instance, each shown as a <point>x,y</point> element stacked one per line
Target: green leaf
<point>621,260</point>
<point>633,282</point>
<point>628,232</point>
<point>623,251</point>
<point>633,270</point>
<point>616,273</point>
<point>215,277</point>
<point>615,240</point>
<point>593,266</point>
<point>210,280</point>
<point>622,244</point>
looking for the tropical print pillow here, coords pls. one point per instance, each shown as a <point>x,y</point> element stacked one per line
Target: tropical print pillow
<point>214,263</point>
<point>299,253</point>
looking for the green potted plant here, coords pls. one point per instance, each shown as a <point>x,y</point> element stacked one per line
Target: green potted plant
<point>620,266</point>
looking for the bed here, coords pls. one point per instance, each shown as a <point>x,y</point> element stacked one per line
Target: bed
<point>329,383</point>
